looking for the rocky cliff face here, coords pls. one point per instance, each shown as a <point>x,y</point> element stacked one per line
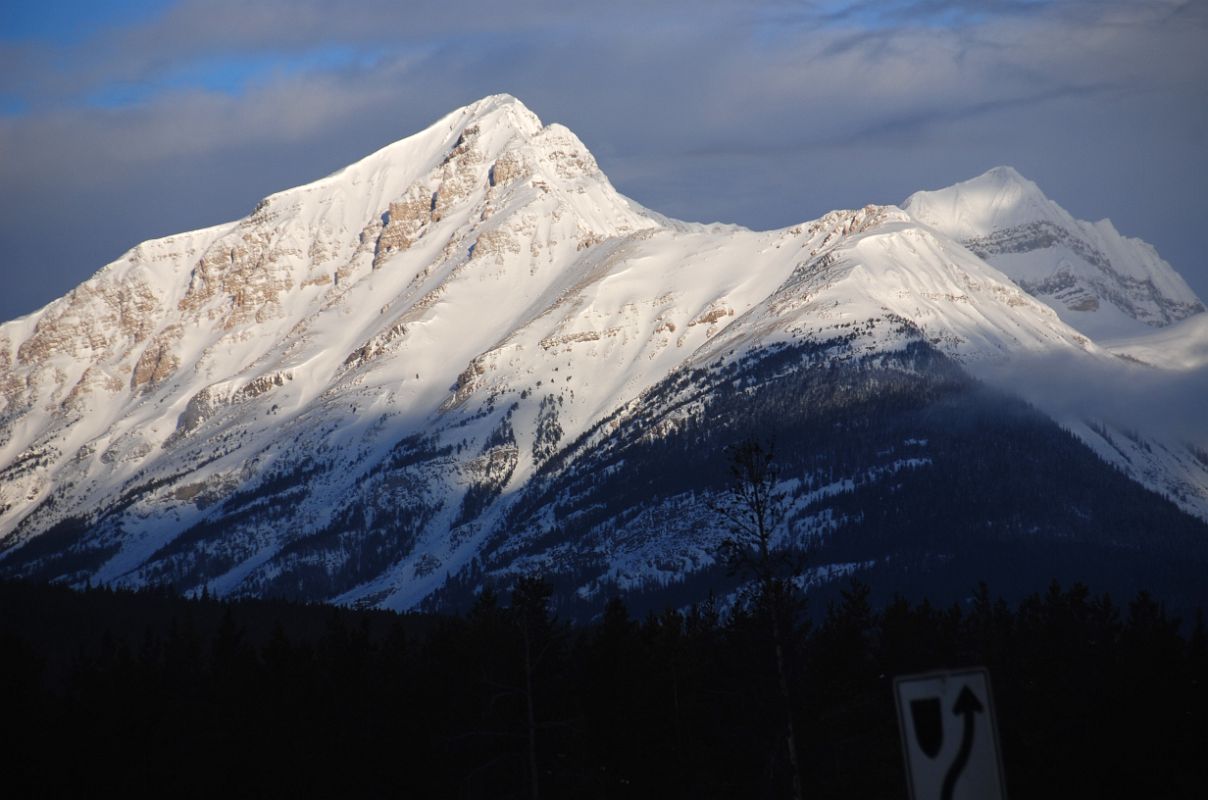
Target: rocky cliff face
<point>345,395</point>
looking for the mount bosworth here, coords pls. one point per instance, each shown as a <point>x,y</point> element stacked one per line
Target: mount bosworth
<point>468,357</point>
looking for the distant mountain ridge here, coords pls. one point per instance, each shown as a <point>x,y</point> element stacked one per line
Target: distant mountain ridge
<point>354,393</point>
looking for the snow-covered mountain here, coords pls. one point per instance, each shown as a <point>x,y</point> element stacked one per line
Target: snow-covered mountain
<point>1114,289</point>
<point>1099,282</point>
<point>389,382</point>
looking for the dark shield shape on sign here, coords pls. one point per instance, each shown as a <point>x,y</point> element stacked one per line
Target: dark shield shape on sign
<point>928,725</point>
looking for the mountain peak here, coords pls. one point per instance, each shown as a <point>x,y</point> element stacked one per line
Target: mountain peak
<point>500,109</point>
<point>496,118</point>
<point>466,158</point>
<point>1010,190</point>
<point>1103,284</point>
<point>998,198</point>
<point>501,99</point>
<point>1003,173</point>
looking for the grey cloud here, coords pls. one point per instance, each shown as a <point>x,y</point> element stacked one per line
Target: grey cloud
<point>199,29</point>
<point>689,109</point>
<point>1156,402</point>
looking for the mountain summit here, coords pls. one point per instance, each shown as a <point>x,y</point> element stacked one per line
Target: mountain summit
<point>467,356</point>
<point>996,200</point>
<point>1101,283</point>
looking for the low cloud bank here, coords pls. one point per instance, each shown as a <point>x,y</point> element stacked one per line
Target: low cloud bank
<point>1171,405</point>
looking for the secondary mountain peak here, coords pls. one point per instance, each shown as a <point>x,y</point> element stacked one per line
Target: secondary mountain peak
<point>1102,283</point>
<point>998,198</point>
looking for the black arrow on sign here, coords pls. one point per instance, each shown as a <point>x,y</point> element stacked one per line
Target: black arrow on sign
<point>967,705</point>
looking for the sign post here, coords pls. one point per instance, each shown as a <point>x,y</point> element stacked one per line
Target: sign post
<point>949,735</point>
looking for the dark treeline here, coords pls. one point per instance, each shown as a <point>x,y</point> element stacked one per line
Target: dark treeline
<point>148,694</point>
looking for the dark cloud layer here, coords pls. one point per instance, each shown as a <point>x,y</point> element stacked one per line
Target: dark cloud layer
<point>759,113</point>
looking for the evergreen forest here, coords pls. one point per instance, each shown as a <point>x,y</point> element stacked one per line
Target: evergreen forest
<point>148,693</point>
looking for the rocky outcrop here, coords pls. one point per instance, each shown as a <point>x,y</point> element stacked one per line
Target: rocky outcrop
<point>377,346</point>
<point>96,316</point>
<point>570,159</point>
<point>495,243</point>
<point>93,380</point>
<point>509,167</point>
<point>201,407</point>
<point>259,385</point>
<point>459,174</point>
<point>712,315</point>
<point>158,360</point>
<point>245,273</point>
<point>1136,297</point>
<point>404,222</point>
<point>206,403</point>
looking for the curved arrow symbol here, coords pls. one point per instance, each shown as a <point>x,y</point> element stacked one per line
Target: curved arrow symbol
<point>967,705</point>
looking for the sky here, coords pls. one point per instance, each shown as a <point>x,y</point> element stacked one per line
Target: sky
<point>126,120</point>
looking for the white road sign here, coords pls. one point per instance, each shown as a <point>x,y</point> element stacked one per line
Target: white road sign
<point>949,736</point>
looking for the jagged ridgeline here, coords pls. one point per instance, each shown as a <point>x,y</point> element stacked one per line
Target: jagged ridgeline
<point>467,358</point>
